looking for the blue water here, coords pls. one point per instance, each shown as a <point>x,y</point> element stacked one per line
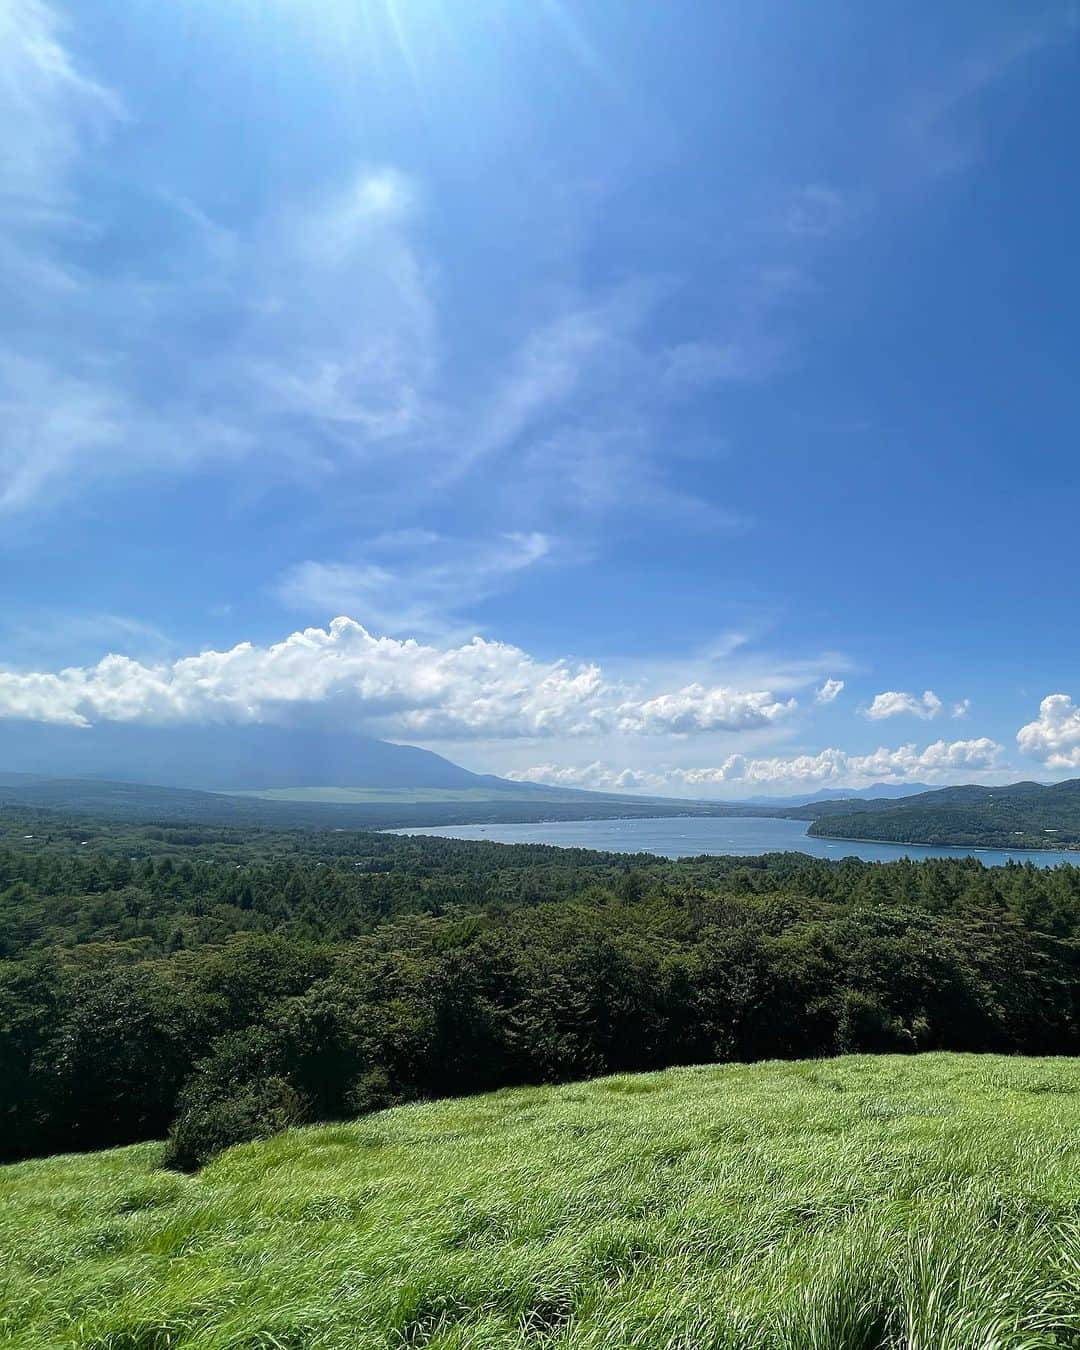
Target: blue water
<point>690,836</point>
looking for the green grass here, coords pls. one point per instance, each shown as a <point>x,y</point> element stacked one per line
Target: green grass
<point>393,796</point>
<point>930,1202</point>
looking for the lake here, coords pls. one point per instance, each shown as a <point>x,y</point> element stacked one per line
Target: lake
<point>690,836</point>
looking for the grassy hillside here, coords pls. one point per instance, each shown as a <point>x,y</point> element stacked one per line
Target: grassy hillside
<point>532,796</point>
<point>393,796</point>
<point>1020,815</point>
<point>329,808</point>
<point>927,1202</point>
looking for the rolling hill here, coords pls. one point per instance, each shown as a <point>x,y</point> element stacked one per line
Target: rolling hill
<point>871,1202</point>
<point>875,792</point>
<point>1019,815</point>
<point>340,808</point>
<point>278,776</point>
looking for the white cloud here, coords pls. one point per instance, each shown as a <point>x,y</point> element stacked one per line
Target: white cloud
<point>829,692</point>
<point>414,581</point>
<point>961,708</point>
<point>695,708</point>
<point>893,703</point>
<point>396,687</point>
<point>595,776</point>
<point>940,761</point>
<point>906,762</point>
<point>1054,736</point>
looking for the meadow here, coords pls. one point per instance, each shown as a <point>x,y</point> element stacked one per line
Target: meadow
<point>929,1202</point>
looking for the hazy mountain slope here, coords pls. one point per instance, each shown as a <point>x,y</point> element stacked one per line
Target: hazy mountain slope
<point>91,797</point>
<point>221,758</point>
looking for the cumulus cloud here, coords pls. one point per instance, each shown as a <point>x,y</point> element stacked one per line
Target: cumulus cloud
<point>894,703</point>
<point>829,692</point>
<point>961,708</point>
<point>595,776</point>
<point>906,763</point>
<point>902,764</point>
<point>695,708</point>
<point>389,685</point>
<point>1054,736</point>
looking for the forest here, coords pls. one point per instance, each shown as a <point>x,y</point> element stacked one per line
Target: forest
<point>1018,815</point>
<point>215,984</point>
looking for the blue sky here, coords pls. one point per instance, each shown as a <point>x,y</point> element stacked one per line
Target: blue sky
<point>631,376</point>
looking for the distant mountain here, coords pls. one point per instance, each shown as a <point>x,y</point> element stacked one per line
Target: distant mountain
<point>326,778</point>
<point>230,758</point>
<point>299,778</point>
<point>389,808</point>
<point>314,775</point>
<point>874,792</point>
<point>1017,815</point>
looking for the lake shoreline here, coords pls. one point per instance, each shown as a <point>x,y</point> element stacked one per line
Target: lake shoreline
<point>726,836</point>
<point>973,848</point>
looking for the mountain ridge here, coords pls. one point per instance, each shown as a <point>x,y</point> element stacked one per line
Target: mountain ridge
<point>1025,814</point>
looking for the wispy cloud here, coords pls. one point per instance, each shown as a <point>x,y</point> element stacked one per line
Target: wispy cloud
<point>51,113</point>
<point>817,211</point>
<point>553,363</point>
<point>416,581</point>
<point>342,332</point>
<point>327,333</point>
<point>333,353</point>
<point>748,358</point>
<point>935,136</point>
<point>50,634</point>
<point>829,692</point>
<point>330,355</point>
